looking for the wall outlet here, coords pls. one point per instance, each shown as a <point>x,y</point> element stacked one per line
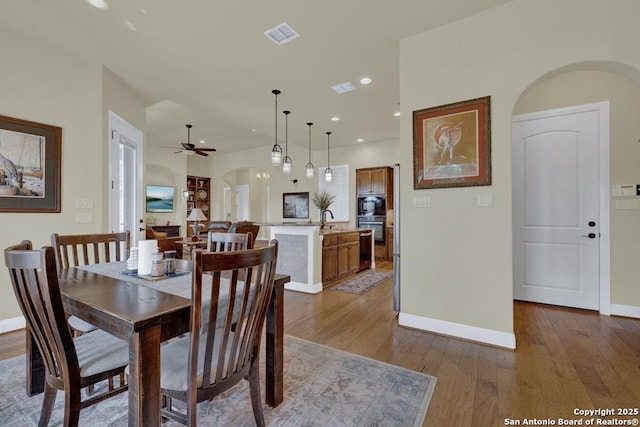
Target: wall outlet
<point>84,218</point>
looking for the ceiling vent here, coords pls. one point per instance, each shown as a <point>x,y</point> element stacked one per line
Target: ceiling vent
<point>343,87</point>
<point>281,34</point>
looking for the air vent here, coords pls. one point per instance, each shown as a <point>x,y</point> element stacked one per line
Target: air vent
<point>281,34</point>
<point>343,87</point>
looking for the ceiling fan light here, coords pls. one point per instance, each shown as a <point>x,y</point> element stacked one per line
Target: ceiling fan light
<point>309,170</point>
<point>188,152</point>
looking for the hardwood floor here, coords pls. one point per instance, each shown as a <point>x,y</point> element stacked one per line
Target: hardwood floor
<point>565,358</point>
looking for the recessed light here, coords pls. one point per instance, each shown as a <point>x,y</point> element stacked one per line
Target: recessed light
<point>130,25</point>
<point>360,139</point>
<point>202,141</point>
<point>100,4</point>
<point>396,114</point>
<point>335,118</point>
<point>365,80</point>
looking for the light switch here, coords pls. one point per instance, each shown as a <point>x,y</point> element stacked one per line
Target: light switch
<point>84,203</point>
<point>84,218</point>
<point>422,201</point>
<point>485,199</point>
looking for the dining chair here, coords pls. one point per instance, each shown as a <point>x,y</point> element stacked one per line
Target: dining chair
<point>73,250</point>
<point>223,346</point>
<point>219,242</point>
<point>70,363</point>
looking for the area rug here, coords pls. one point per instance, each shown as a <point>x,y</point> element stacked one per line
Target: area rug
<point>362,283</point>
<point>322,386</point>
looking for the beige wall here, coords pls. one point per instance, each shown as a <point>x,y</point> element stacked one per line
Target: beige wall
<point>584,87</point>
<point>457,266</point>
<point>42,84</point>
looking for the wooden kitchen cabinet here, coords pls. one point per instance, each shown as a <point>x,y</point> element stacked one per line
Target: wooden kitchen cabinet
<point>372,181</point>
<point>340,255</point>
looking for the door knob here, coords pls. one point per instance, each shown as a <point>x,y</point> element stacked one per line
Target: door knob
<point>592,223</point>
<point>590,235</point>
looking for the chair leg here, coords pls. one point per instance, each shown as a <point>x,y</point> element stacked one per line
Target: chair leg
<point>256,399</point>
<point>71,406</point>
<point>47,405</point>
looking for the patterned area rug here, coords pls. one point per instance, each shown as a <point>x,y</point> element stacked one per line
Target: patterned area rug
<point>362,283</point>
<point>323,387</point>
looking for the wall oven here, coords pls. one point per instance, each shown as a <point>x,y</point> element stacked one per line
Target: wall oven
<point>375,223</point>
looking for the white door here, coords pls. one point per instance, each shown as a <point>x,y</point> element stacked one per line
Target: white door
<point>556,212</point>
<point>125,177</point>
<point>242,202</point>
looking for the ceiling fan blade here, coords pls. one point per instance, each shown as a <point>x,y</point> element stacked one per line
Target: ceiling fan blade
<point>177,152</point>
<point>201,153</point>
<point>206,149</point>
<point>175,148</point>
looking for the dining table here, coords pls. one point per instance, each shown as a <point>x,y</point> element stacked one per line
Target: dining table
<point>145,312</point>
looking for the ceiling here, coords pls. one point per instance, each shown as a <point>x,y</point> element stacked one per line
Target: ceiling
<point>208,63</point>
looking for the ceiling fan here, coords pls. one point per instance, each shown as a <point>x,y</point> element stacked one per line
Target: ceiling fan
<point>188,148</point>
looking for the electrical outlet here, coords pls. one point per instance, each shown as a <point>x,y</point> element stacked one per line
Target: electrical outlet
<point>84,218</point>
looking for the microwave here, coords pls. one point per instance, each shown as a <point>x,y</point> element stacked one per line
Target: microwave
<point>371,205</point>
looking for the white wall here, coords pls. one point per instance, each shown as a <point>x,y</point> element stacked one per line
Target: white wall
<point>457,265</point>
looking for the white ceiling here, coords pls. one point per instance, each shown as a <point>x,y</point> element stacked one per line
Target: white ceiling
<point>207,62</point>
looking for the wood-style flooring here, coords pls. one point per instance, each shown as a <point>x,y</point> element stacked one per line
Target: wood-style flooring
<point>565,359</point>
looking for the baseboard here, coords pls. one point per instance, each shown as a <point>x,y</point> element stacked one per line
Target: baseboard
<point>625,310</point>
<point>8,325</point>
<point>457,330</point>
<point>304,287</point>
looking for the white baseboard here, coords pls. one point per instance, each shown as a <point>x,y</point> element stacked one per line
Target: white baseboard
<point>304,287</point>
<point>625,310</point>
<point>458,330</point>
<point>8,325</point>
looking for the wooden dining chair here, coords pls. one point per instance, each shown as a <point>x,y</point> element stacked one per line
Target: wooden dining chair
<point>70,363</point>
<point>220,242</point>
<point>223,346</point>
<point>73,250</point>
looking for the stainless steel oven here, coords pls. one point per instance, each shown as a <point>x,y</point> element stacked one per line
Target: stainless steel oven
<point>375,223</point>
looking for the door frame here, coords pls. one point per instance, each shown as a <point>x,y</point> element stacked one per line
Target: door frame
<point>604,177</point>
<point>117,125</point>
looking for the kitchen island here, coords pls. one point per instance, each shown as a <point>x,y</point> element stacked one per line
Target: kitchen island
<point>302,254</point>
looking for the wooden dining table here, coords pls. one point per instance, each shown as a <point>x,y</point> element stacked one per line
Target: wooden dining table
<point>145,316</point>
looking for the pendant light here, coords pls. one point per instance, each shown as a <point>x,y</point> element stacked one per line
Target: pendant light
<point>286,162</point>
<point>328,173</point>
<point>309,168</point>
<point>276,151</point>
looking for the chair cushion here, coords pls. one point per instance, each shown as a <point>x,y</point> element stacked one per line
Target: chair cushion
<point>99,351</point>
<point>174,360</point>
<point>80,325</point>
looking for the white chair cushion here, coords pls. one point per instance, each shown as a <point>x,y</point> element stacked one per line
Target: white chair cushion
<point>99,351</point>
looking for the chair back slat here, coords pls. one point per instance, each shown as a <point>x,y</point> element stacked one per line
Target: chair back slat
<point>231,333</point>
<point>35,284</point>
<point>221,242</point>
<point>85,249</point>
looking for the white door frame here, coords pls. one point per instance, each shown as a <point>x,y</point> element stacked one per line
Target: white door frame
<point>118,126</point>
<point>604,188</point>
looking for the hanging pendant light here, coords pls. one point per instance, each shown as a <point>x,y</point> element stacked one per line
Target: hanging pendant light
<point>309,168</point>
<point>286,162</point>
<point>276,151</point>
<point>328,173</point>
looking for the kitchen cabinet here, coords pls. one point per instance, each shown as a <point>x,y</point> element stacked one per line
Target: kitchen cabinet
<point>340,255</point>
<point>372,181</point>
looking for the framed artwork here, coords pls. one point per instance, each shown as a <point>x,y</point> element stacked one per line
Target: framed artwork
<point>452,145</point>
<point>160,198</point>
<point>295,205</point>
<point>30,166</point>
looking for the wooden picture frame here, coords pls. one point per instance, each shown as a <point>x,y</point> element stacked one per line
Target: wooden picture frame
<point>30,166</point>
<point>295,205</point>
<point>452,145</point>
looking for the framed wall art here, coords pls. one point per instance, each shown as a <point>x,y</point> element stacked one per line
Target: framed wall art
<point>295,205</point>
<point>452,145</point>
<point>160,198</point>
<point>30,166</point>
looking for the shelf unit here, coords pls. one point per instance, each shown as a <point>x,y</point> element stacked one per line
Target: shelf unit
<point>199,188</point>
